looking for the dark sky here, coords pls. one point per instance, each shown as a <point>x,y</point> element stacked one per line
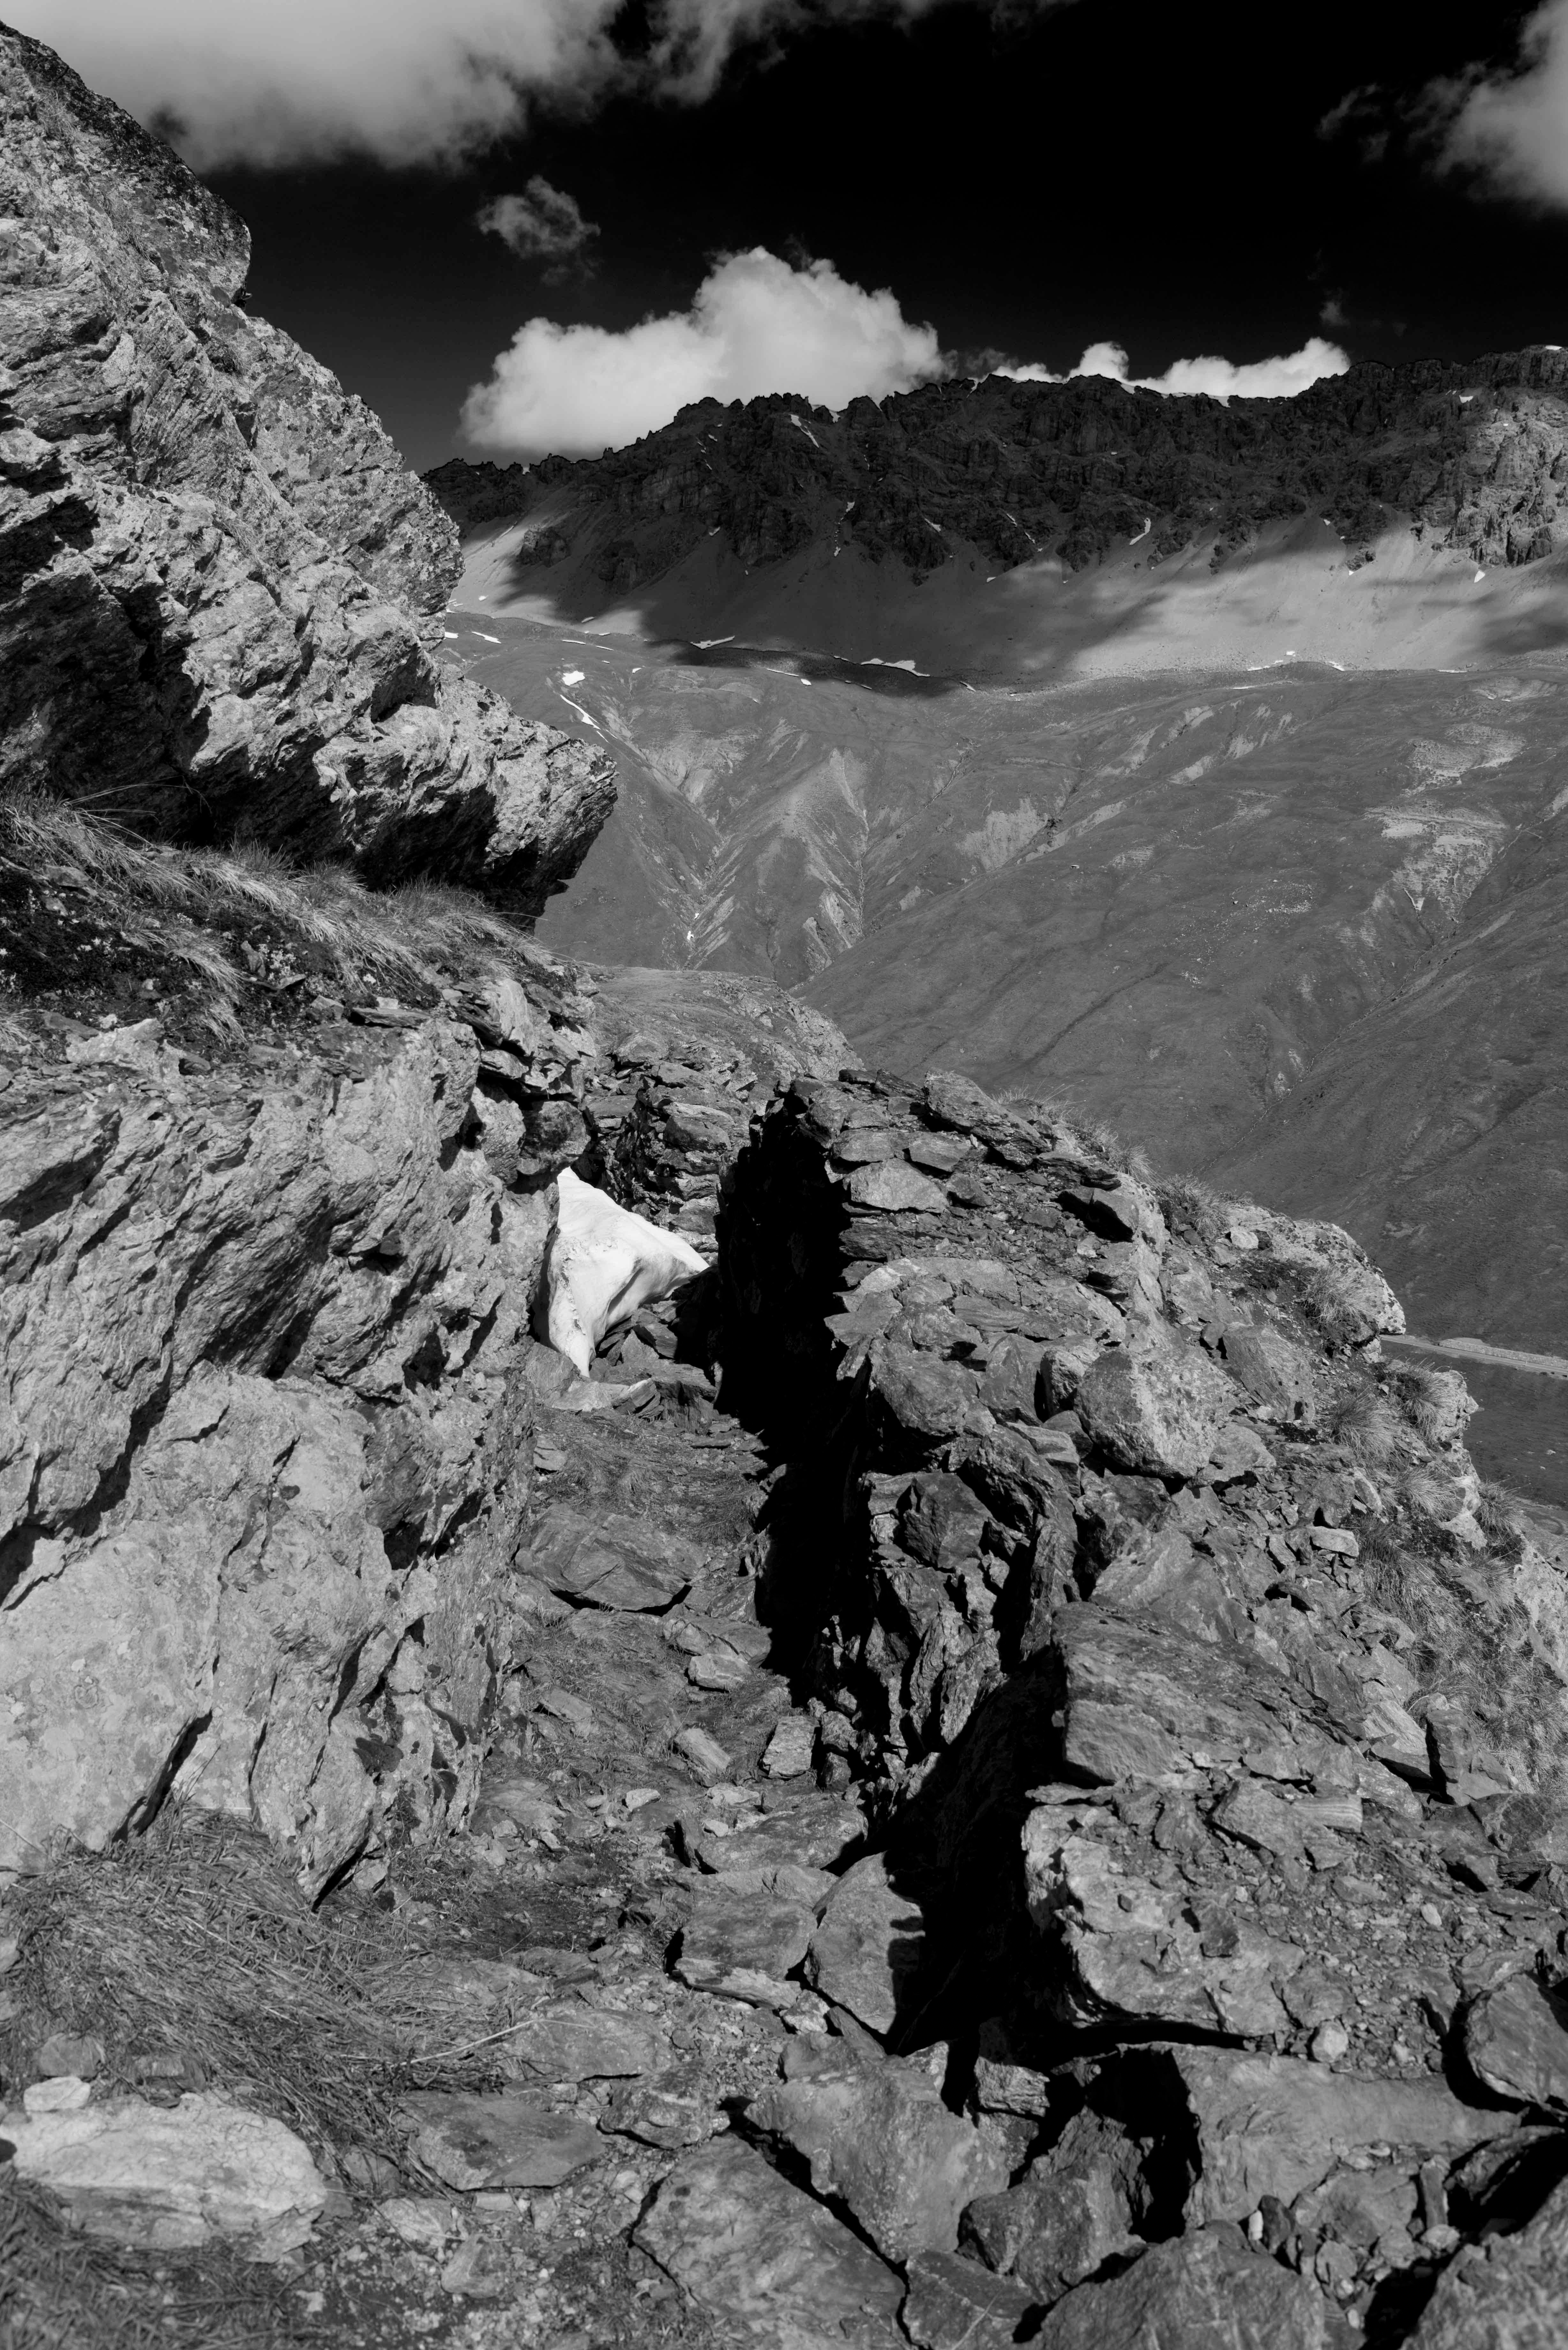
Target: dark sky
<point>1121,169</point>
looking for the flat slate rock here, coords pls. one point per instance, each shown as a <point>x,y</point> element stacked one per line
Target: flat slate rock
<point>1205,2290</point>
<point>743,1944</point>
<point>166,2178</point>
<point>470,2143</point>
<point>1267,2125</point>
<point>813,1834</point>
<point>891,1185</point>
<point>1516,2038</point>
<point>870,1942</point>
<point>771,2262</point>
<point>955,2304</point>
<point>613,1561</point>
<point>587,2043</point>
<point>879,2139</point>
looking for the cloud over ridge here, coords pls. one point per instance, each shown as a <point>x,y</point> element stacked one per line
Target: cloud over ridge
<point>279,82</point>
<point>1221,378</point>
<point>755,325</point>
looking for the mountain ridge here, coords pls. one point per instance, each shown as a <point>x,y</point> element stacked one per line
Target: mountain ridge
<point>1071,470</point>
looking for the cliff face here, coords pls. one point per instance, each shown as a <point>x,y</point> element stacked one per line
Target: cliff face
<point>215,575</point>
<point>267,1448</point>
<point>1470,454</point>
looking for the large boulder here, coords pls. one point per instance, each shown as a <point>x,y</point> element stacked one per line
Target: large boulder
<point>880,2139</point>
<point>1157,1408</point>
<point>1508,2294</point>
<point>217,581</point>
<point>169,2178</point>
<point>771,2264</point>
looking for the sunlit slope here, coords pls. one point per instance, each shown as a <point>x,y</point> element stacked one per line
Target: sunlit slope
<point>771,807</point>
<point>1233,879</point>
<point>1299,591</point>
<point>1437,1127</point>
<point>1298,927</point>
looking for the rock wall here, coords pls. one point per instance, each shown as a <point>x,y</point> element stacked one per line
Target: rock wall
<point>215,574</point>
<point>266,1444</point>
<point>1473,453</point>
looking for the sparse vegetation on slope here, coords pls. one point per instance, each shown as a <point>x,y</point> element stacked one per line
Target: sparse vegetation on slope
<point>217,939</point>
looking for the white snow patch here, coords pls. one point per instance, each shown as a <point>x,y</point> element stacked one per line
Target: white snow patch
<point>483,639</point>
<point>451,635</point>
<point>1142,534</point>
<point>874,660</point>
<point>1477,580</point>
<point>574,676</point>
<point>582,714</point>
<point>706,644</point>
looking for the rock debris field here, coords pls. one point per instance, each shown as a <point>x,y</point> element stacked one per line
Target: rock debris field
<point>1024,1807</point>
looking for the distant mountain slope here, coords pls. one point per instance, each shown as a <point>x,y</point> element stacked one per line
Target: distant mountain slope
<point>1248,845</point>
<point>1471,454</point>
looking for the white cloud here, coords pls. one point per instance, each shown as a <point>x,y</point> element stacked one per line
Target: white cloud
<point>754,326</point>
<point>544,224</point>
<point>1513,126</point>
<point>1275,379</point>
<point>281,81</point>
<point>273,82</point>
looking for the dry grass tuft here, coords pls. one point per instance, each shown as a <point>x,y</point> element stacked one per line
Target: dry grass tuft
<point>1423,1397</point>
<point>1362,1422</point>
<point>192,1942</point>
<point>1495,1517</point>
<point>191,1954</point>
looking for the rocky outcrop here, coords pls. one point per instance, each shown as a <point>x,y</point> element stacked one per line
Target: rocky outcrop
<point>1471,454</point>
<point>265,1432</point>
<point>1213,1725</point>
<point>1168,1945</point>
<point>215,575</point>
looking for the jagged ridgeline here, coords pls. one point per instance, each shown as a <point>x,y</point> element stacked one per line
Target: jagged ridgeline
<point>1472,455</point>
<point>990,1774</point>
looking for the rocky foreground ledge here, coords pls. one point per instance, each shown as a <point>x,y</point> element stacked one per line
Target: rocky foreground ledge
<point>990,1776</point>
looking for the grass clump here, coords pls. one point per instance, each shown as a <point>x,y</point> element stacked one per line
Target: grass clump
<point>192,1943</point>
<point>191,1954</point>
